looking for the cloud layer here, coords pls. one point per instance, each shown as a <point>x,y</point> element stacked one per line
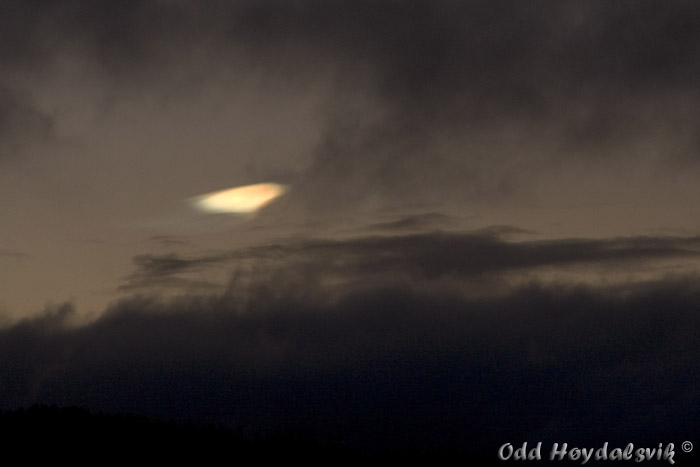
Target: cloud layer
<point>436,99</point>
<point>317,342</point>
<point>427,256</point>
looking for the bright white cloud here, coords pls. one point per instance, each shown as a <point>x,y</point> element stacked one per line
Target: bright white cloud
<point>240,200</point>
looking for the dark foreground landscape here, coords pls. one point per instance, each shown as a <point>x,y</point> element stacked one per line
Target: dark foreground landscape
<point>76,434</point>
<point>49,433</point>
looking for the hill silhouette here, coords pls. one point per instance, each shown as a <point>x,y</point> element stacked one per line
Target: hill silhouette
<point>50,433</point>
<point>72,433</point>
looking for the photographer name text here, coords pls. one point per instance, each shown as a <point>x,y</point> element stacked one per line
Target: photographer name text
<point>564,452</point>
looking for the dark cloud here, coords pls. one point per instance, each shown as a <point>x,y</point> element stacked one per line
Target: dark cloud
<point>390,366</point>
<point>504,231</point>
<point>425,96</point>
<point>445,254</point>
<point>422,256</point>
<point>169,264</point>
<point>320,337</point>
<point>161,271</point>
<point>459,97</point>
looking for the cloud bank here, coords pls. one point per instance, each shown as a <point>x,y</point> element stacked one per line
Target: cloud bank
<point>316,342</point>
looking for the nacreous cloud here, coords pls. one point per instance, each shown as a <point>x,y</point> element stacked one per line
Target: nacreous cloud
<point>241,200</point>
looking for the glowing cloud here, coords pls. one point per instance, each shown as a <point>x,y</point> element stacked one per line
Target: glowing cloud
<point>240,200</point>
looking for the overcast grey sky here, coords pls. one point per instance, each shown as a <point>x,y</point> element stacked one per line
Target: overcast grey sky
<point>444,160</point>
<point>567,119</point>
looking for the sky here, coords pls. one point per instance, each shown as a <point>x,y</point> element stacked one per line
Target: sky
<point>486,230</point>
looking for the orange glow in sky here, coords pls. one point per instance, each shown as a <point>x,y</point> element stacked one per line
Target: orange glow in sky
<point>240,200</point>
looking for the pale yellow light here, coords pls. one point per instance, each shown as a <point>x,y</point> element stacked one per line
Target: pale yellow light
<point>240,200</point>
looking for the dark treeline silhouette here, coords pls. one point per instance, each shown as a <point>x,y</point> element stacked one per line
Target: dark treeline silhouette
<point>50,433</point>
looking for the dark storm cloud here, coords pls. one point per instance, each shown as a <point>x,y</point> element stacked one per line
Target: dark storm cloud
<point>506,52</point>
<point>455,93</point>
<point>391,366</point>
<point>417,48</point>
<point>114,33</point>
<point>410,80</point>
<point>423,256</point>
